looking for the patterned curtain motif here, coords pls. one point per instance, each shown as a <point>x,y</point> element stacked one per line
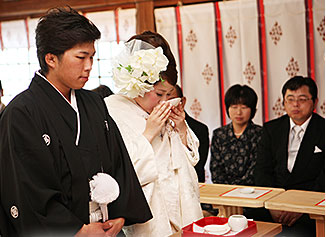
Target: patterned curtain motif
<point>105,22</point>
<point>319,43</point>
<point>241,47</point>
<point>127,23</point>
<point>239,23</point>
<point>200,75</point>
<point>286,47</point>
<point>166,25</point>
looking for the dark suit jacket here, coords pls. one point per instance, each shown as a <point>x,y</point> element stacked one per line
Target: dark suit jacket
<point>309,169</point>
<point>201,131</point>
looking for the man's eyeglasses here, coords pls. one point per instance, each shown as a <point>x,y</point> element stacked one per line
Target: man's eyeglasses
<point>300,100</point>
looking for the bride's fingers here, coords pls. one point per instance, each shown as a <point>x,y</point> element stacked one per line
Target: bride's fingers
<point>177,110</point>
<point>165,113</point>
<point>162,107</point>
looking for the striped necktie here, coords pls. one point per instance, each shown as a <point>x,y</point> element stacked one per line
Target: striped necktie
<point>295,142</point>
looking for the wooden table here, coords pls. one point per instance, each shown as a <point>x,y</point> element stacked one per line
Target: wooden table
<point>263,229</point>
<point>210,193</point>
<point>302,202</point>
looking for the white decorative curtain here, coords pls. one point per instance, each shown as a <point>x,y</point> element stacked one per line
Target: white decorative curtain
<point>200,75</point>
<point>286,47</point>
<point>127,23</point>
<point>14,34</point>
<point>32,23</point>
<point>199,64</point>
<point>240,38</point>
<point>18,63</point>
<point>165,20</point>
<point>319,43</point>
<point>105,22</point>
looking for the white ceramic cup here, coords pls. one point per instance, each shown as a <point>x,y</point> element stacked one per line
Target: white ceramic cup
<point>238,222</point>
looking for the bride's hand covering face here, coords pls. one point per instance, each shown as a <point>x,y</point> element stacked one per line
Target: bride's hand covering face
<point>178,117</point>
<point>156,120</point>
<point>161,92</point>
<point>159,111</point>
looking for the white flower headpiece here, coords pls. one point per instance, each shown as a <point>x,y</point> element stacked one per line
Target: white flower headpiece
<point>138,67</point>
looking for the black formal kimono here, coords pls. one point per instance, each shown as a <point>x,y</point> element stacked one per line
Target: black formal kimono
<point>44,175</point>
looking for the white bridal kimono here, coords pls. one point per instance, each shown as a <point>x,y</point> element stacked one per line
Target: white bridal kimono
<point>164,169</point>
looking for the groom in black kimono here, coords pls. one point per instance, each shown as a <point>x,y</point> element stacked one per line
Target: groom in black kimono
<point>56,136</point>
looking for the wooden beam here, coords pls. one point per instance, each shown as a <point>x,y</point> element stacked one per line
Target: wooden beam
<point>20,9</point>
<point>145,16</point>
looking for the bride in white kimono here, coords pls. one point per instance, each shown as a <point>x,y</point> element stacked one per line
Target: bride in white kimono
<point>162,147</point>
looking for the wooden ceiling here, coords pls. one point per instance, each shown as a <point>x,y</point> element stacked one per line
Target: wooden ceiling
<point>19,9</point>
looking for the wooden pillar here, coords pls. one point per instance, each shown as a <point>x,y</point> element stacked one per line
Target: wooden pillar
<point>145,16</point>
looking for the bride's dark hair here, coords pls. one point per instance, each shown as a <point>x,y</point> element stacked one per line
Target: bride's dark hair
<point>155,39</point>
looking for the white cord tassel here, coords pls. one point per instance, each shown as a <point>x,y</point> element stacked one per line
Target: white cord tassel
<point>104,210</point>
<point>104,190</point>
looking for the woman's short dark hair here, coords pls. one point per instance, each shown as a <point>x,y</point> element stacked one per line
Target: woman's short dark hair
<point>60,30</point>
<point>238,94</point>
<point>155,39</point>
<point>297,82</point>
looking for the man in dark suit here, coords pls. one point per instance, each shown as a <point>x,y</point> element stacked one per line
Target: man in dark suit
<point>200,130</point>
<point>292,151</point>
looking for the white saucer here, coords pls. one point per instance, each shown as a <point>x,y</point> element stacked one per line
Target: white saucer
<point>217,229</point>
<point>197,228</point>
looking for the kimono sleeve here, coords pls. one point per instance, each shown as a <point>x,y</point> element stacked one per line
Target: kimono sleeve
<point>192,147</point>
<point>31,194</point>
<point>131,204</point>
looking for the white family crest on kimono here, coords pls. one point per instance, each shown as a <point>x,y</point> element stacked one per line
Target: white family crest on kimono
<point>164,169</point>
<point>138,67</point>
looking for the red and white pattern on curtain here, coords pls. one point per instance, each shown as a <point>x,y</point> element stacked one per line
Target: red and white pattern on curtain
<point>32,23</point>
<point>200,76</point>
<point>14,34</point>
<point>127,23</point>
<point>286,46</point>
<point>319,41</point>
<point>105,22</point>
<point>240,39</point>
<point>166,25</point>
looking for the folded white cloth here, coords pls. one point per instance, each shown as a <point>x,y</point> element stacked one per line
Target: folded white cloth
<point>317,150</point>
